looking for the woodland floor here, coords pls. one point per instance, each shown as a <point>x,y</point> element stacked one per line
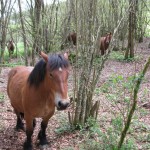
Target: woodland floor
<point>12,140</point>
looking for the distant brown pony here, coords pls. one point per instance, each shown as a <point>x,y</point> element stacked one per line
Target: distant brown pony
<point>71,38</point>
<point>34,92</point>
<point>104,43</point>
<point>10,47</point>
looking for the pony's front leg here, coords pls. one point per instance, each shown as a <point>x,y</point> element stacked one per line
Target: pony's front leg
<point>42,134</point>
<point>29,132</point>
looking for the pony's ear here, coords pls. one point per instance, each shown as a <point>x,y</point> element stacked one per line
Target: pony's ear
<point>44,56</point>
<point>66,55</point>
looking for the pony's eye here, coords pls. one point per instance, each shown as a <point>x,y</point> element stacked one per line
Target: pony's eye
<point>51,75</point>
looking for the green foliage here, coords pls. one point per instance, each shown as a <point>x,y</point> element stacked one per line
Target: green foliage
<point>2,97</point>
<point>119,83</point>
<point>129,145</point>
<point>20,51</point>
<point>96,139</point>
<point>12,64</point>
<point>118,91</point>
<point>117,124</point>
<point>65,128</point>
<point>20,54</point>
<point>72,57</point>
<point>119,55</point>
<point>146,146</point>
<point>91,123</point>
<point>140,131</point>
<point>106,140</point>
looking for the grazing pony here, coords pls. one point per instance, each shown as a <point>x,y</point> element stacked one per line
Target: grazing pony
<point>36,91</point>
<point>10,47</point>
<point>71,38</point>
<point>104,43</point>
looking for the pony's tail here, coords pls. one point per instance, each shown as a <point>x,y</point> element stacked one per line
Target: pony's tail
<point>22,115</point>
<point>10,75</point>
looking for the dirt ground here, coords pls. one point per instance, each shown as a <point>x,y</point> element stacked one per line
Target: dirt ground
<point>12,140</point>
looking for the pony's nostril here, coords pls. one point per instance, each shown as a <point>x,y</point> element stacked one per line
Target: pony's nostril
<point>62,105</point>
<point>59,104</point>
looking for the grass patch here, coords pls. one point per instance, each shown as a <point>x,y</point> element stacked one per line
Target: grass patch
<point>18,53</point>
<point>119,56</point>
<point>12,64</point>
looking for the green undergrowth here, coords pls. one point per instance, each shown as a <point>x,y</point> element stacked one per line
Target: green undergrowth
<point>120,56</point>
<point>104,133</point>
<point>94,137</point>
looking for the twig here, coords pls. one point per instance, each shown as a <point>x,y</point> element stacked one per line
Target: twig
<point>131,112</point>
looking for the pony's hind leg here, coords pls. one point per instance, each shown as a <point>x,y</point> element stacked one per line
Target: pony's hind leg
<point>34,123</point>
<point>20,124</point>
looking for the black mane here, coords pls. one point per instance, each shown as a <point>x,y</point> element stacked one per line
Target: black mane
<point>56,61</point>
<point>38,73</point>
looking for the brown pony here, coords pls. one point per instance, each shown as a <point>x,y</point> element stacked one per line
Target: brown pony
<point>34,92</point>
<point>10,47</point>
<point>104,43</point>
<point>71,38</point>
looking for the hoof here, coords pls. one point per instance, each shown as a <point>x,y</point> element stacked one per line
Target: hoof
<point>43,147</point>
<point>27,146</point>
<point>42,139</point>
<point>19,129</point>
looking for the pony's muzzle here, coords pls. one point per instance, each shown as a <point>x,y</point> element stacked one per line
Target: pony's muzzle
<point>62,105</point>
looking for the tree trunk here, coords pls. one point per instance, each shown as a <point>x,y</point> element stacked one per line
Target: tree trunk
<point>140,21</point>
<point>131,32</point>
<point>36,29</point>
<point>6,9</point>
<point>23,34</point>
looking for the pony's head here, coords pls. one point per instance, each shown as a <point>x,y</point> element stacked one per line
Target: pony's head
<point>53,72</point>
<point>71,38</point>
<point>108,38</point>
<point>58,72</point>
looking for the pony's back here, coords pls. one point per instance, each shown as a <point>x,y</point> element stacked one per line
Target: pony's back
<point>16,81</point>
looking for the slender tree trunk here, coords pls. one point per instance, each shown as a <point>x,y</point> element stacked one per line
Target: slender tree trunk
<point>36,30</point>
<point>5,13</point>
<point>115,9</point>
<point>131,32</point>
<point>136,18</point>
<point>23,34</point>
<point>140,21</point>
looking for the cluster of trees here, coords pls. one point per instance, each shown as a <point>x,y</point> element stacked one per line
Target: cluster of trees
<point>44,26</point>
